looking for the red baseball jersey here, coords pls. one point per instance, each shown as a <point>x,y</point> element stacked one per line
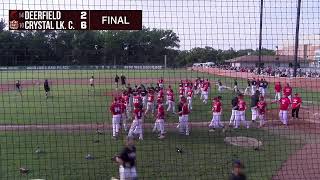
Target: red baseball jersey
<point>181,91</point>
<point>115,108</point>
<point>170,96</point>
<point>284,103</point>
<point>190,93</point>
<point>296,102</point>
<point>185,109</point>
<point>160,113</point>
<point>277,87</point>
<point>262,107</point>
<point>169,91</point>
<point>242,105</point>
<point>205,87</point>
<point>216,106</point>
<point>160,93</point>
<point>136,101</point>
<point>137,113</point>
<point>126,99</point>
<point>123,107</point>
<point>287,91</point>
<point>150,97</point>
<point>160,81</point>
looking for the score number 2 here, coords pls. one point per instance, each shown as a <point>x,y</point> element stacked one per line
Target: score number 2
<point>83,16</point>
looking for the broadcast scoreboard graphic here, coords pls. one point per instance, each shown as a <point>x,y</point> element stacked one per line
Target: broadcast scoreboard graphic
<point>75,20</point>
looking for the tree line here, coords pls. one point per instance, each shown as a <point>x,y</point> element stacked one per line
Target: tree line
<point>148,46</point>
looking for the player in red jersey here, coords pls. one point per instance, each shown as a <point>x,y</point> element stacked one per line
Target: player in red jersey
<point>170,100</point>
<point>123,113</point>
<point>136,126</point>
<point>115,109</point>
<point>137,100</point>
<point>216,114</point>
<point>126,100</point>
<point>277,90</point>
<point>189,98</point>
<point>181,92</point>
<point>205,93</point>
<point>168,91</point>
<point>287,91</point>
<point>241,113</point>
<point>284,104</point>
<point>184,121</point>
<point>159,124</point>
<point>262,108</point>
<point>296,103</point>
<point>160,94</point>
<point>150,104</point>
<point>161,82</point>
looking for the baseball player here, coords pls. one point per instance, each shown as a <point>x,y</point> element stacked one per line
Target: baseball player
<point>170,100</point>
<point>115,109</point>
<point>144,95</point>
<point>91,82</point>
<point>126,100</point>
<point>205,93</point>
<point>216,114</point>
<point>253,86</point>
<point>241,115</point>
<point>180,105</point>
<point>18,87</point>
<point>136,126</point>
<point>150,104</point>
<point>159,124</point>
<point>181,92</point>
<point>189,98</point>
<point>137,100</point>
<point>220,86</point>
<point>184,122</point>
<point>161,82</point>
<point>254,103</point>
<point>46,88</point>
<point>262,108</point>
<point>277,90</point>
<point>123,113</point>
<point>265,87</point>
<point>247,91</point>
<point>284,104</point>
<point>296,103</point>
<point>235,88</point>
<point>260,84</point>
<point>234,110</point>
<point>287,91</point>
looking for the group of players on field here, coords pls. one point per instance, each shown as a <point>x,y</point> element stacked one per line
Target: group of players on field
<point>139,101</point>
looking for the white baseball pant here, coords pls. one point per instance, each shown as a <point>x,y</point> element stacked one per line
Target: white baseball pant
<point>124,121</point>
<point>216,121</point>
<point>150,107</point>
<point>277,96</point>
<point>171,106</point>
<point>184,124</point>
<point>136,128</point>
<point>254,113</point>
<point>144,101</point>
<point>116,119</point>
<point>205,97</point>
<point>159,126</point>
<point>189,102</point>
<point>253,89</point>
<point>283,116</point>
<point>241,118</point>
<point>233,117</point>
<point>262,119</point>
<point>127,173</point>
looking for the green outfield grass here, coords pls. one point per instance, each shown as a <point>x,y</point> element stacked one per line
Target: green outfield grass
<point>204,156</point>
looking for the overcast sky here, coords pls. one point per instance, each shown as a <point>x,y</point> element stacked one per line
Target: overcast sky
<point>217,23</point>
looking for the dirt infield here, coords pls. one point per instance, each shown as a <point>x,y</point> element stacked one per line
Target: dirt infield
<point>312,84</point>
<point>304,164</point>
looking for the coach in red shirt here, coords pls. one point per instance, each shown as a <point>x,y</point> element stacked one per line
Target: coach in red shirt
<point>296,103</point>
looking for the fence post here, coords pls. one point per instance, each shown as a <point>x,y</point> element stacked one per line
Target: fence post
<point>260,36</point>
<point>296,48</point>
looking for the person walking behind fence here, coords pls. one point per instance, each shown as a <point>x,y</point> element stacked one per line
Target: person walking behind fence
<point>184,122</point>
<point>115,109</point>
<point>116,81</point>
<point>46,88</point>
<point>136,126</point>
<point>296,103</point>
<point>253,85</point>
<point>123,80</point>
<point>159,124</point>
<point>170,101</point>
<point>235,88</point>
<point>127,161</point>
<point>247,91</point>
<point>91,82</point>
<point>265,87</point>
<point>287,91</point>
<point>284,104</point>
<point>254,103</point>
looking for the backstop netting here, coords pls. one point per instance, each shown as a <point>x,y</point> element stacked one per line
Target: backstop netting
<point>207,90</point>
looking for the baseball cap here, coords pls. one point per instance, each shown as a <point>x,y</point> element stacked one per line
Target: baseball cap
<point>238,163</point>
